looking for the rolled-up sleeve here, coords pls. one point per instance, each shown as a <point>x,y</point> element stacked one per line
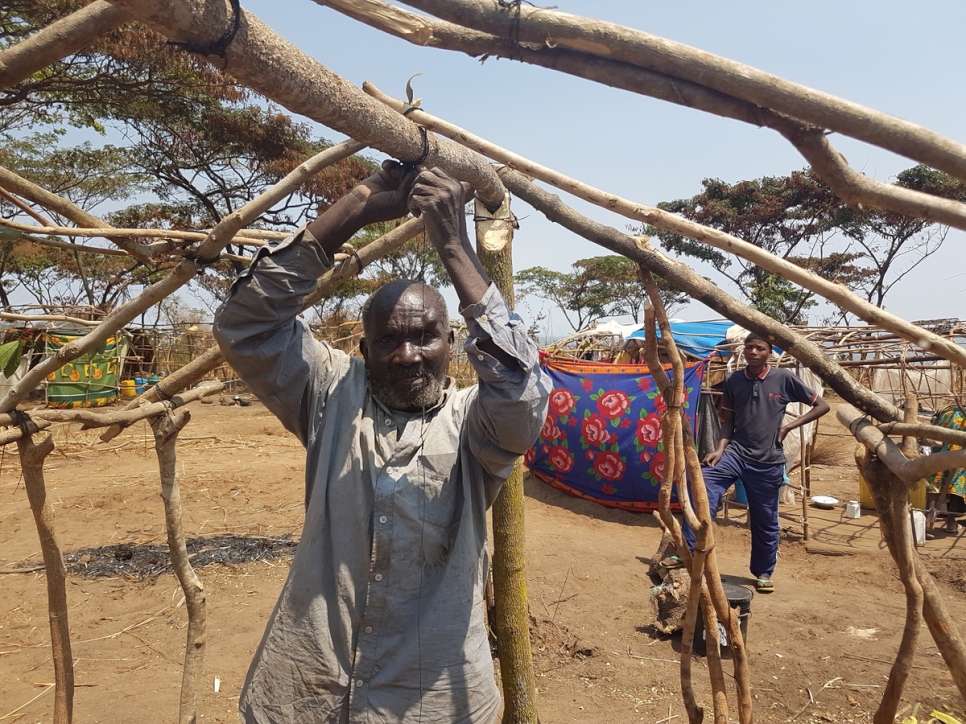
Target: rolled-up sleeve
<point>263,339</point>
<point>511,404</point>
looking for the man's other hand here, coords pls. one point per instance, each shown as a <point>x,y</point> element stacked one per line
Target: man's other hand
<point>782,434</point>
<point>712,458</point>
<point>386,192</point>
<point>439,199</point>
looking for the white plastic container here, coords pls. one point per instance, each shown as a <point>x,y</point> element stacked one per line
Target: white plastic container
<point>853,509</point>
<point>918,526</point>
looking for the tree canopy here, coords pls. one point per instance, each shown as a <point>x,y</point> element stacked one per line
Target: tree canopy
<point>600,286</point>
<point>187,146</point>
<point>799,218</point>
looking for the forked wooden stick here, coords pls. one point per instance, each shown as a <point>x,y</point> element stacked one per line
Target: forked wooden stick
<point>32,463</point>
<point>166,428</point>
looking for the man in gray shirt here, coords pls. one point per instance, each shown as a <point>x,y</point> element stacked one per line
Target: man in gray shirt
<point>750,449</point>
<point>381,618</point>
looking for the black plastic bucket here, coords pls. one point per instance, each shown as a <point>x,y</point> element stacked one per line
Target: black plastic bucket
<point>738,597</point>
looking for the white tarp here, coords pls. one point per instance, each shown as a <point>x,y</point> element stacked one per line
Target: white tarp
<point>793,443</point>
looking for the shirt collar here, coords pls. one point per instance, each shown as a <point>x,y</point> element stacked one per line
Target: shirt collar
<point>763,375</point>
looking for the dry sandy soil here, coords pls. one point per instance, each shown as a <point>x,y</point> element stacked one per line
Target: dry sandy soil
<point>828,634</point>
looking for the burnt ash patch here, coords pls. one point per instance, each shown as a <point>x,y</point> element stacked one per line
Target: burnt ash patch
<point>131,560</point>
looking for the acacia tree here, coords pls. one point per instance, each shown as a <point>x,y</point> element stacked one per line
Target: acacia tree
<point>799,218</point>
<point>785,216</point>
<point>601,286</point>
<point>201,144</point>
<point>894,244</point>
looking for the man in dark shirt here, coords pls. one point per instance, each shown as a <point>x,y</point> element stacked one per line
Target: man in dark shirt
<point>750,448</point>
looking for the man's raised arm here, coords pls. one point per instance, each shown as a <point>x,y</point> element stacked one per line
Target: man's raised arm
<point>512,401</point>
<point>258,328</point>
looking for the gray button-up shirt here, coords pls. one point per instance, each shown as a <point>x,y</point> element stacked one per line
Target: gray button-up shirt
<point>381,618</point>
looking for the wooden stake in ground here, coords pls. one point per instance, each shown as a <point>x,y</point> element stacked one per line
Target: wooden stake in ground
<point>892,502</point>
<point>166,428</point>
<point>679,442</point>
<point>32,463</point>
<point>494,233</point>
<point>941,625</point>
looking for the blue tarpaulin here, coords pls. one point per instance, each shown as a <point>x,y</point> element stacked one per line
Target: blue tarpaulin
<point>698,339</point>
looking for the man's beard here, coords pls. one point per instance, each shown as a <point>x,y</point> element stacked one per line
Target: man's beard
<point>397,396</point>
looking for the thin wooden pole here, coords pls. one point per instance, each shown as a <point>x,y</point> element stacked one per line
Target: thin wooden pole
<point>166,428</point>
<point>509,530</point>
<point>802,473</point>
<point>32,463</point>
<point>678,435</point>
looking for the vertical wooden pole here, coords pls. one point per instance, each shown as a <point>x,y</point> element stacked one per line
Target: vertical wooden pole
<point>494,234</point>
<point>32,463</point>
<point>803,472</point>
<point>166,428</point>
<point>802,469</point>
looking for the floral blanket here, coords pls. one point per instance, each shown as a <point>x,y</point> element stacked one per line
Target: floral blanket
<point>602,436</point>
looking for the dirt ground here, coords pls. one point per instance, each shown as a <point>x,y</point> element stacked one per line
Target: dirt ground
<point>820,646</point>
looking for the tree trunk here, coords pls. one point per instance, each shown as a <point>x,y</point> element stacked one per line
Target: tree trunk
<point>494,248</point>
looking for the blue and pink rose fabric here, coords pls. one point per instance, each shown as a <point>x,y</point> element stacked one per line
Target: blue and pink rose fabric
<point>602,436</point>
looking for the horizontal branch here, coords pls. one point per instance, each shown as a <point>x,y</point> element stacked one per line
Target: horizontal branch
<point>13,317</point>
<point>61,38</point>
<point>909,471</point>
<point>610,40</point>
<point>245,237</point>
<point>16,184</point>
<point>41,419</point>
<point>834,292</point>
<point>926,432</point>
<point>81,248</point>
<point>180,275</point>
<point>850,185</point>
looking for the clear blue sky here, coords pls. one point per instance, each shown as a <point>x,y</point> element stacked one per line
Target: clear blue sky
<point>901,58</point>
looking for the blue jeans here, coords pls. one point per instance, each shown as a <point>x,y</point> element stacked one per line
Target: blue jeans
<point>761,485</point>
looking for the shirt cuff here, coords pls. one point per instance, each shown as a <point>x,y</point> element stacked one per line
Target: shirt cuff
<point>303,237</point>
<point>491,320</point>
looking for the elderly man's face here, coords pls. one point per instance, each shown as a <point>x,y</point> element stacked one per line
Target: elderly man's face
<point>408,351</point>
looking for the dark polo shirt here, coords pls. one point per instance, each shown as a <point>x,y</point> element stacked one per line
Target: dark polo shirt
<point>758,404</point>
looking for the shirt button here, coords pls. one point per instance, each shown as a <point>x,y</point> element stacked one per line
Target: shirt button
<point>483,318</point>
<point>378,576</point>
<point>479,357</point>
<point>388,422</point>
<point>358,682</point>
<point>383,519</point>
<point>368,629</point>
